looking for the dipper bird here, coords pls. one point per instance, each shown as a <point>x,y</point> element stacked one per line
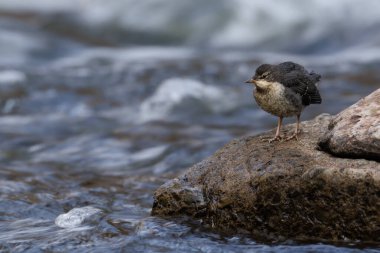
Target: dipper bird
<point>284,90</point>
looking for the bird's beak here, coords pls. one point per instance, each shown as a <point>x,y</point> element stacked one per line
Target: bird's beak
<point>250,81</point>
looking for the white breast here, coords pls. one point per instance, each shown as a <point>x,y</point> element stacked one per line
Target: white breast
<point>276,100</point>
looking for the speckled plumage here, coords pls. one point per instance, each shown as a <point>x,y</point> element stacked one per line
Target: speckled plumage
<point>279,101</point>
<point>284,90</point>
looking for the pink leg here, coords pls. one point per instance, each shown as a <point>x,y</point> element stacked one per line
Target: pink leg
<point>277,137</point>
<point>295,135</point>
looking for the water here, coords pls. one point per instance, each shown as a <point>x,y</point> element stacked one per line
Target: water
<point>100,105</point>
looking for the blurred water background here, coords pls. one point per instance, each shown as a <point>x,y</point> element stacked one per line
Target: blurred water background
<point>103,101</point>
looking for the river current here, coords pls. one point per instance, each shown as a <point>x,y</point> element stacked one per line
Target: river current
<point>95,117</point>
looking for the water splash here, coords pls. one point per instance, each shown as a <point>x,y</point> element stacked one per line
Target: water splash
<point>176,93</point>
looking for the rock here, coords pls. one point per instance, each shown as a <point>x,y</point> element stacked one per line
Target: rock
<point>355,132</point>
<point>287,189</point>
<point>78,216</point>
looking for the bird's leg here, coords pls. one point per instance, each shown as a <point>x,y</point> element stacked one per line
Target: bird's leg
<point>295,135</point>
<point>277,137</point>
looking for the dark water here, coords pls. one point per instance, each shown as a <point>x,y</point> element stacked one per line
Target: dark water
<point>94,118</point>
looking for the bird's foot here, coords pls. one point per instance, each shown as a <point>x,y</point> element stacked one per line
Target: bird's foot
<point>270,140</point>
<point>276,138</point>
<point>294,136</point>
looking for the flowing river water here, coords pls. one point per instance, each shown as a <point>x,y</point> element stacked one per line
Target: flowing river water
<point>94,127</point>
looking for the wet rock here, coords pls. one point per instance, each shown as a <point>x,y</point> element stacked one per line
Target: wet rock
<point>355,132</point>
<point>78,216</point>
<point>191,197</point>
<point>287,189</point>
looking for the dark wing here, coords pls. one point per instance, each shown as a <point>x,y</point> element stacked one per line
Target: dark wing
<point>303,84</point>
<point>289,66</point>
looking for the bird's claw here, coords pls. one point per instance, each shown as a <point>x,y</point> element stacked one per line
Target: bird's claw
<point>270,140</point>
<point>276,138</point>
<point>294,136</point>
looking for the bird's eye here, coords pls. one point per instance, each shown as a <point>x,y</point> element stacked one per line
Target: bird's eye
<point>264,75</point>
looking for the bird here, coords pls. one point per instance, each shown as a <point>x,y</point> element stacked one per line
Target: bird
<point>284,90</point>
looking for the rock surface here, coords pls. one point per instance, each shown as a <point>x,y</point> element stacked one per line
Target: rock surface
<point>78,217</point>
<point>287,189</point>
<point>355,132</point>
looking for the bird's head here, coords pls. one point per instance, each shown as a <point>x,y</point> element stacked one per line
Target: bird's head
<point>264,77</point>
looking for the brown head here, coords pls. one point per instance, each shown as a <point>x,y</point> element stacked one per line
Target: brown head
<point>264,77</point>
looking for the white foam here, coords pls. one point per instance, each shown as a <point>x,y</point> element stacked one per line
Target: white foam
<point>11,77</point>
<point>9,80</point>
<point>255,22</point>
<point>15,45</point>
<point>174,92</point>
<point>148,153</point>
<point>47,6</point>
<point>220,22</point>
<point>125,55</point>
